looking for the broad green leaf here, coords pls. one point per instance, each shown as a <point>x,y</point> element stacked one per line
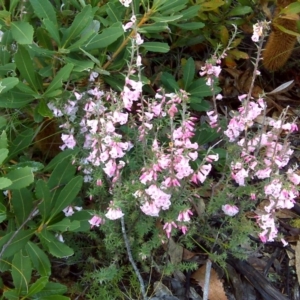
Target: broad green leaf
<point>64,225</point>
<point>44,10</point>
<point>37,286</point>
<point>42,193</point>
<point>190,12</point>
<point>4,183</point>
<point>43,109</point>
<point>107,37</point>
<point>3,123</point>
<point>34,165</point>
<point>156,47</point>
<point>52,30</point>
<point>57,82</point>
<point>18,242</point>
<point>81,21</point>
<point>21,271</point>
<point>22,202</point>
<point>198,104</point>
<point>290,32</point>
<point>2,213</point>
<point>3,140</point>
<point>27,90</point>
<point>25,66</point>
<point>83,217</point>
<point>3,155</point>
<point>152,28</point>
<point>21,142</point>
<point>7,84</point>
<point>113,13</point>
<point>80,65</point>
<point>190,26</point>
<point>188,73</point>
<point>22,32</point>
<point>20,178</point>
<point>55,297</point>
<point>293,8</point>
<point>169,82</point>
<point>15,99</point>
<point>205,135</point>
<point>171,7</point>
<point>52,289</point>
<point>43,39</point>
<point>7,68</point>
<point>67,195</point>
<point>39,259</point>
<point>240,11</point>
<point>55,247</point>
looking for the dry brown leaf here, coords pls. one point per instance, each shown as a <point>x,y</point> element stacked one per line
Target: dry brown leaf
<point>216,290</point>
<point>297,262</point>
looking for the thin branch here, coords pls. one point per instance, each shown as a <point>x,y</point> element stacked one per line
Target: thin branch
<point>136,270</point>
<point>207,278</point>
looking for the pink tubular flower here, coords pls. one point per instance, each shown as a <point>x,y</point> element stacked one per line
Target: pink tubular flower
<point>96,221</point>
<point>184,216</point>
<point>114,213</point>
<point>168,228</point>
<point>69,141</point>
<point>230,210</point>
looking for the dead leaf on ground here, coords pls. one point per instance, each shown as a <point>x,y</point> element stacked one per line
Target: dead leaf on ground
<point>297,257</point>
<point>216,290</point>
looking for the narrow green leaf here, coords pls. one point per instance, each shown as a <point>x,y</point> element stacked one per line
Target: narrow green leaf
<point>59,158</point>
<point>81,21</point>
<point>52,30</point>
<point>37,286</point>
<point>3,155</point>
<point>64,225</point>
<point>44,10</point>
<point>153,28</point>
<point>25,66</point>
<point>240,11</point>
<point>20,178</point>
<point>55,247</point>
<point>67,195</point>
<point>114,14</point>
<point>21,142</point>
<point>7,68</point>
<point>22,202</point>
<point>22,32</point>
<point>2,213</point>
<point>200,89</point>
<point>27,90</point>
<point>169,82</point>
<point>156,47</point>
<point>21,272</point>
<point>293,8</point>
<point>18,242</point>
<point>56,297</point>
<point>52,289</point>
<point>3,140</point>
<point>11,295</point>
<point>107,37</point>
<point>39,259</point>
<point>190,26</point>
<point>42,193</point>
<point>7,84</point>
<point>15,99</point>
<point>3,123</point>
<point>290,32</point>
<point>57,82</point>
<point>188,73</point>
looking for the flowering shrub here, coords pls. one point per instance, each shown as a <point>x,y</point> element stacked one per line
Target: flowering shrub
<point>147,158</point>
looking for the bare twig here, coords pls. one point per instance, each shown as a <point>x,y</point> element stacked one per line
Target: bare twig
<point>207,278</point>
<point>136,270</point>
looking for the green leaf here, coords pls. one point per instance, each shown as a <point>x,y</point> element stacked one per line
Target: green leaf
<point>190,26</point>
<point>240,11</point>
<point>7,68</point>
<point>56,297</point>
<point>3,155</point>
<point>20,178</point>
<point>67,195</point>
<point>64,225</point>
<point>21,272</point>
<point>37,286</point>
<point>43,109</point>
<point>3,140</point>
<point>166,19</point>
<point>42,193</point>
<point>15,99</point>
<point>171,7</point>
<point>113,13</point>
<point>22,202</point>
<point>7,84</point>
<point>4,183</point>
<point>188,73</point>
<point>107,37</point>
<point>59,158</point>
<point>18,242</point>
<point>190,12</point>
<point>55,247</point>
<point>39,259</point>
<point>2,213</point>
<point>51,289</point>
<point>25,66</point>
<point>290,32</point>
<point>11,295</point>
<point>57,82</point>
<point>27,90</point>
<point>198,104</point>
<point>80,65</point>
<point>3,123</point>
<point>169,82</point>
<point>156,47</point>
<point>200,89</point>
<point>152,28</point>
<point>293,8</point>
<point>22,32</point>
<point>81,21</point>
<point>44,10</point>
<point>52,30</point>
<point>83,217</point>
